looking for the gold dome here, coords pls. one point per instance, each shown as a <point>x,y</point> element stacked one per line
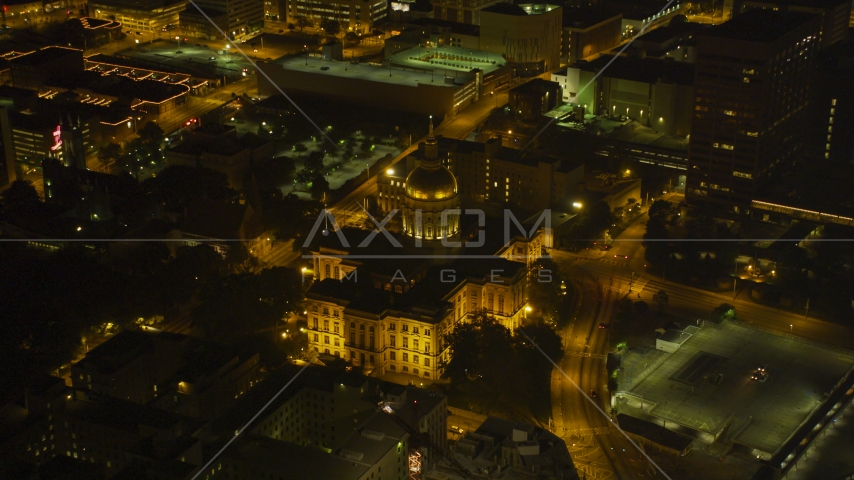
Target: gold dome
<point>431,183</point>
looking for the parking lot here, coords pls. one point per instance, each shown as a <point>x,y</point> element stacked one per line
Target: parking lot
<point>759,415</point>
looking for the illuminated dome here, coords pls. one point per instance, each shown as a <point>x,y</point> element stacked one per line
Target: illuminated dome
<point>430,207</point>
<point>426,183</point>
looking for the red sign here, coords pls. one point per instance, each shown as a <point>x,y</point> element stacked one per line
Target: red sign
<point>57,142</point>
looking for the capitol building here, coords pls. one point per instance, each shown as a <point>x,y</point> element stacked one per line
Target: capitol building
<point>388,306</point>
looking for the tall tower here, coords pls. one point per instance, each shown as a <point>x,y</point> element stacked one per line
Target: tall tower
<point>751,90</point>
<point>431,207</point>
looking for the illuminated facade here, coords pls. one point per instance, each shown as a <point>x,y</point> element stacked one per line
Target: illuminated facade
<point>431,207</point>
<point>244,16</point>
<point>752,91</point>
<point>353,15</point>
<point>461,11</point>
<point>142,16</point>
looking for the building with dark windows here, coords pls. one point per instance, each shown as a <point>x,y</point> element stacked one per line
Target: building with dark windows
<point>34,70</point>
<point>244,16</point>
<point>588,33</point>
<point>752,92</point>
<point>830,130</point>
<point>531,100</point>
<point>834,14</point>
<point>194,24</point>
<point>7,150</point>
<point>463,12</point>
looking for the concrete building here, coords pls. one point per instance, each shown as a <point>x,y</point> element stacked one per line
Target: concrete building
<point>463,12</point>
<point>34,70</point>
<point>218,147</point>
<point>244,16</point>
<point>194,24</point>
<point>488,173</point>
<point>752,92</point>
<point>835,14</point>
<point>142,16</point>
<point>508,450</point>
<point>7,150</point>
<point>327,425</point>
<point>677,41</point>
<point>829,131</point>
<point>527,35</point>
<point>129,365</point>
<point>491,71</point>
<point>657,93</point>
<point>531,100</point>
<point>588,33</point>
<point>358,16</point>
<point>440,93</point>
<point>434,32</point>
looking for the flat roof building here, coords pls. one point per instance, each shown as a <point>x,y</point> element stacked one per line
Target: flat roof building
<point>439,92</point>
<point>357,16</point>
<point>835,14</point>
<point>589,32</point>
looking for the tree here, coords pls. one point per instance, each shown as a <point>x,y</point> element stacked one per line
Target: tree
<point>177,186</point>
<point>661,299</point>
<point>366,146</point>
<point>319,187</point>
<point>20,199</point>
<point>724,311</point>
<point>303,22</point>
<point>246,303</point>
<point>292,27</point>
<point>151,133</point>
<point>332,27</point>
<point>314,162</point>
<point>299,148</point>
<point>544,292</point>
<point>109,153</point>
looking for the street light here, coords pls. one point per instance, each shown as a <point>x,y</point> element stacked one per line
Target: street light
<point>576,204</point>
<point>389,172</point>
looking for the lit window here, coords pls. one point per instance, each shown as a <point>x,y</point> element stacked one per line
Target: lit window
<point>745,80</point>
<point>742,175</point>
<point>731,113</point>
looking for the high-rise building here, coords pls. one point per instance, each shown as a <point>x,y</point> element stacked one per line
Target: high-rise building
<point>7,150</point>
<point>835,14</point>
<point>751,95</point>
<point>244,16</point>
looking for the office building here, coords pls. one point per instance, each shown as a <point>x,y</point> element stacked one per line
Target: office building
<point>244,16</point>
<point>658,93</point>
<point>527,35</point>
<point>677,41</point>
<point>7,150</point>
<point>830,129</point>
<point>463,12</point>
<point>34,70</point>
<point>358,16</point>
<point>642,16</point>
<point>752,91</point>
<point>139,15</point>
<point>588,33</point>
<point>208,26</point>
<point>835,14</point>
<point>533,99</point>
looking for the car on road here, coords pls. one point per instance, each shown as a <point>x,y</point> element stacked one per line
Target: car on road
<point>593,394</point>
<point>760,377</point>
<point>603,325</point>
<point>622,256</point>
<point>324,68</point>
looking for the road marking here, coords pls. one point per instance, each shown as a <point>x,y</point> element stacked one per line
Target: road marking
<point>585,354</point>
<point>584,432</point>
<point>594,473</point>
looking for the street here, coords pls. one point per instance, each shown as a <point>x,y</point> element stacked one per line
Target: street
<point>602,278</point>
